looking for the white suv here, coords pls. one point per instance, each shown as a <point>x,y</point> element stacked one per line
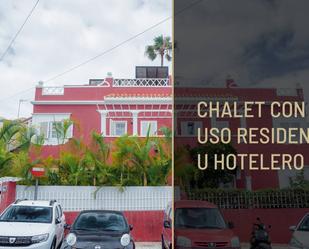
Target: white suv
<point>32,224</point>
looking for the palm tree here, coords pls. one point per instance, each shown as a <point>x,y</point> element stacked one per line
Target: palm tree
<point>15,137</point>
<point>122,156</point>
<point>96,157</point>
<point>162,46</point>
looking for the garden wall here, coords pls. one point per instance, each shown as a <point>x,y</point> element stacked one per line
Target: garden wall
<point>143,206</point>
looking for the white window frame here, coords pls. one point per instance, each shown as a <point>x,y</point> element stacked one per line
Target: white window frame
<point>112,127</point>
<point>217,123</point>
<point>49,119</point>
<point>184,124</point>
<point>144,133</point>
<point>289,122</point>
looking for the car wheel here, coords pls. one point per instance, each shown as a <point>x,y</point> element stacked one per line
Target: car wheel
<point>53,245</point>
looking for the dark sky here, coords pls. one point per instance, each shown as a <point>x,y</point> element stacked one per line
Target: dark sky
<point>258,42</point>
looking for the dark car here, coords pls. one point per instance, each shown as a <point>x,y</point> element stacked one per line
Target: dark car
<point>100,230</point>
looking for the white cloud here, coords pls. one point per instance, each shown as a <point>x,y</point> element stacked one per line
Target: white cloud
<point>62,34</point>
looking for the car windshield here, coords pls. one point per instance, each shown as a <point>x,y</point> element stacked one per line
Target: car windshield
<point>27,214</point>
<point>199,218</point>
<point>304,226</point>
<point>101,221</point>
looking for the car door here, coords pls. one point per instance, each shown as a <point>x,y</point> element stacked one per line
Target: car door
<point>167,231</point>
<point>58,225</point>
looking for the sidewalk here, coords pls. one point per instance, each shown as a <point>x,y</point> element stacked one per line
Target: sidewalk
<point>148,245</point>
<point>274,246</point>
<point>157,245</point>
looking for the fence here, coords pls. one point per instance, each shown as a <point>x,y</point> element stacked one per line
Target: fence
<point>246,199</point>
<point>80,198</point>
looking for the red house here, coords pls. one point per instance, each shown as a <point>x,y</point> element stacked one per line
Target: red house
<point>114,107</point>
<point>110,106</point>
<point>188,122</point>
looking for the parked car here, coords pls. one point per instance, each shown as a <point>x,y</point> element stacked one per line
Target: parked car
<point>32,224</point>
<point>166,237</point>
<point>300,236</point>
<point>98,230</point>
<point>198,224</point>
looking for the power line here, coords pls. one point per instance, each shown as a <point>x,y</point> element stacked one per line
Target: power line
<point>123,42</point>
<point>19,30</point>
<point>108,50</point>
<point>16,94</point>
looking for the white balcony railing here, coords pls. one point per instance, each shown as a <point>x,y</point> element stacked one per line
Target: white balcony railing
<point>53,91</point>
<point>141,82</point>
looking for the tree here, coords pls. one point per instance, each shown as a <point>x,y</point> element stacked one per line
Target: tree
<point>161,46</point>
<point>299,181</point>
<point>96,158</point>
<point>209,178</point>
<point>15,141</point>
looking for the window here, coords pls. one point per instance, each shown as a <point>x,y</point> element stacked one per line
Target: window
<point>29,214</point>
<point>189,128</point>
<point>220,124</point>
<point>118,128</point>
<point>148,125</point>
<point>51,127</point>
<point>289,123</point>
<point>59,211</point>
<point>56,130</point>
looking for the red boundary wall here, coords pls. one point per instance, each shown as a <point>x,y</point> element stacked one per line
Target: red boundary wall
<point>8,195</point>
<point>279,219</point>
<point>147,225</point>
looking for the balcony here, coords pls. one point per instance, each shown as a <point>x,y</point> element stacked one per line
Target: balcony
<point>142,82</point>
<point>53,90</point>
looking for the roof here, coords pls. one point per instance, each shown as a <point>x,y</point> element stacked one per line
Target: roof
<point>139,95</point>
<point>194,204</point>
<point>33,203</point>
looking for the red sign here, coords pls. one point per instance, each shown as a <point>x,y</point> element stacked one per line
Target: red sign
<point>38,171</point>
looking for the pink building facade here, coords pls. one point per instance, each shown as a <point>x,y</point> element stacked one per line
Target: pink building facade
<point>114,107</point>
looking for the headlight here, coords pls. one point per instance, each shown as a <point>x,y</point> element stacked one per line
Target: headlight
<point>125,240</point>
<point>71,239</point>
<point>295,243</point>
<point>183,241</point>
<point>39,238</point>
<point>235,242</point>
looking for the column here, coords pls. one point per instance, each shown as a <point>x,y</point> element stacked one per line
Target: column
<point>103,122</point>
<point>135,122</point>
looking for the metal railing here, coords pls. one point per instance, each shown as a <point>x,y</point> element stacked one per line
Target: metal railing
<point>52,90</point>
<point>247,199</point>
<point>78,198</point>
<point>141,82</point>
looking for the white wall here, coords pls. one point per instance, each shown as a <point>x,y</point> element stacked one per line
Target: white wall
<point>77,198</point>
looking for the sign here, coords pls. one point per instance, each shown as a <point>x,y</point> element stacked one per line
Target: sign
<point>38,171</point>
